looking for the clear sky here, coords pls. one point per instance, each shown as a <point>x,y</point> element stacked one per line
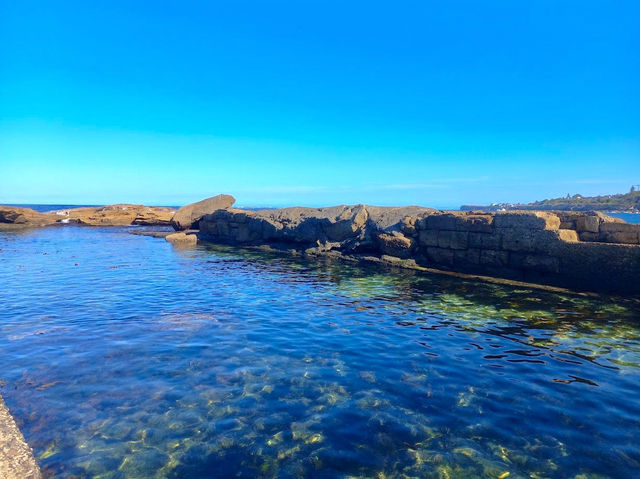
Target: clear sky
<point>318,102</point>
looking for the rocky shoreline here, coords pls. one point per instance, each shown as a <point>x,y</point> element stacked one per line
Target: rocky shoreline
<point>110,215</point>
<point>582,251</point>
<point>16,457</point>
<point>575,250</point>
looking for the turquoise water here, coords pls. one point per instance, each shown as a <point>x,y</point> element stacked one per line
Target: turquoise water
<point>123,357</point>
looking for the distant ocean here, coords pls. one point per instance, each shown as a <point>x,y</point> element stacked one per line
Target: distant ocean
<point>628,217</point>
<point>45,208</point>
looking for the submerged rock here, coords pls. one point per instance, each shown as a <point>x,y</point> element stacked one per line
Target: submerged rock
<point>182,238</point>
<point>188,216</point>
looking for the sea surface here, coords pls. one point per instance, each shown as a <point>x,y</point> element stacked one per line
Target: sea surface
<point>123,357</point>
<point>628,217</point>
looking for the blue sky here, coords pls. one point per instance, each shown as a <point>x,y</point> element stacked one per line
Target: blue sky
<point>318,103</point>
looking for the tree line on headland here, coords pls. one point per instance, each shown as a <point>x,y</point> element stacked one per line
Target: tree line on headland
<point>627,202</point>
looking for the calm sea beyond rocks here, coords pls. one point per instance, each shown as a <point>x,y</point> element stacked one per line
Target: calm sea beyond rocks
<point>577,251</point>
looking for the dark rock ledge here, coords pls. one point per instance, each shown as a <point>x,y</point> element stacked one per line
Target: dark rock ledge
<point>580,251</point>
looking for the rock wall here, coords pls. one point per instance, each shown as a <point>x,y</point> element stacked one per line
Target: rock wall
<point>538,247</point>
<point>600,228</point>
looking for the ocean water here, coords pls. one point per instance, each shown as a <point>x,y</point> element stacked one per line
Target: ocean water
<point>628,217</point>
<point>123,357</point>
<point>46,208</point>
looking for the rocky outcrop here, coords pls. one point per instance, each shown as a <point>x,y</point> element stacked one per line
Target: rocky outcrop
<point>13,215</point>
<point>536,247</point>
<point>111,215</point>
<point>119,215</point>
<point>16,457</point>
<point>182,238</point>
<point>189,216</point>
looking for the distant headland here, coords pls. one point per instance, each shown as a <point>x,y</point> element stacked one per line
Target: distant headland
<point>618,203</point>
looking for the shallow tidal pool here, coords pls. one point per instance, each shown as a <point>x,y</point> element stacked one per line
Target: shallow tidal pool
<point>123,357</point>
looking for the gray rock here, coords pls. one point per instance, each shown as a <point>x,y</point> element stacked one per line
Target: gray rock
<point>189,216</point>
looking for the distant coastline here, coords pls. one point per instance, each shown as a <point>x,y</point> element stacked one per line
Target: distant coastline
<point>618,203</point>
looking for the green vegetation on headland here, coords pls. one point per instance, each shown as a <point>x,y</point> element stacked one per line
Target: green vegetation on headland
<point>622,203</point>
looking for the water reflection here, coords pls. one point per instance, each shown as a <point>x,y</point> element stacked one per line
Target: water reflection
<point>126,358</point>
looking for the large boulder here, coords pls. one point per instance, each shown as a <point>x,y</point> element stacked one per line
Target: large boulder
<point>189,216</point>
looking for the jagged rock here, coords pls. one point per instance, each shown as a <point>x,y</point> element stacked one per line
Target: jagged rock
<point>189,216</point>
<point>395,244</point>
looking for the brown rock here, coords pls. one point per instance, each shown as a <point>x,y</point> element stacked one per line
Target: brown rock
<point>117,215</point>
<point>394,244</point>
<point>588,224</point>
<point>189,216</point>
<point>16,457</point>
<point>570,236</point>
<point>182,239</point>
<point>24,216</point>
<point>530,220</point>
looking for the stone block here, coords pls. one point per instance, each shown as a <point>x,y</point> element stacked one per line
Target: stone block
<point>528,220</point>
<point>440,256</point>
<point>485,240</point>
<point>453,239</point>
<point>570,236</point>
<point>445,221</point>
<point>394,245</point>
<point>459,240</point>
<point>475,240</point>
<point>534,262</point>
<point>494,258</point>
<point>518,240</point>
<point>622,237</point>
<point>444,239</point>
<point>586,236</point>
<point>590,224</point>
<point>619,228</point>
<point>475,223</point>
<point>469,257</point>
<point>428,238</point>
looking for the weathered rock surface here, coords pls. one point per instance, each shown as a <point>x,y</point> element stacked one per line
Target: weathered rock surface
<point>538,247</point>
<point>188,216</point>
<point>24,216</point>
<point>182,239</point>
<point>119,215</point>
<point>111,215</point>
<point>16,457</point>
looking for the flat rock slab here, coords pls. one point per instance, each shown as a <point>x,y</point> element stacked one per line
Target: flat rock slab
<point>16,457</point>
